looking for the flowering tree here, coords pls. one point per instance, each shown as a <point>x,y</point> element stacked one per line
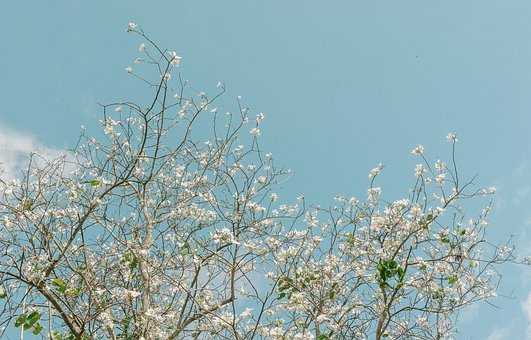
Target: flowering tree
<point>168,227</point>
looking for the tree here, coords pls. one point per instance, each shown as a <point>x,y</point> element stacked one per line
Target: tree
<point>168,227</point>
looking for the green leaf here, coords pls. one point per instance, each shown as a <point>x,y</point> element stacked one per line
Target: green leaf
<point>284,283</point>
<point>37,328</point>
<point>73,292</point>
<point>323,337</point>
<point>388,269</point>
<point>445,239</point>
<point>60,285</point>
<point>94,182</point>
<point>452,279</point>
<point>401,273</point>
<point>27,203</point>
<point>21,319</point>
<point>3,293</point>
<point>185,249</point>
<point>31,319</point>
<point>131,260</point>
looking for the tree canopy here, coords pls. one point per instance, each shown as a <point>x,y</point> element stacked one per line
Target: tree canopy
<point>168,226</point>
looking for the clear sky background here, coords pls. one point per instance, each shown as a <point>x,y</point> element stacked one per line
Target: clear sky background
<point>345,85</point>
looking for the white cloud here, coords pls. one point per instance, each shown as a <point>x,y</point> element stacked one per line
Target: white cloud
<point>526,306</point>
<point>15,148</point>
<point>499,334</point>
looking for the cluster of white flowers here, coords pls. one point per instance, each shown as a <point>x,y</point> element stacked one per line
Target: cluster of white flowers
<point>131,26</point>
<point>419,170</point>
<point>488,191</point>
<point>260,118</point>
<point>376,171</point>
<point>224,236</point>
<point>418,150</point>
<point>374,194</point>
<point>174,58</point>
<point>109,126</point>
<point>255,132</point>
<point>451,137</point>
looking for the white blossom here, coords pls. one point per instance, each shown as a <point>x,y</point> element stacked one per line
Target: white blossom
<point>174,58</point>
<point>418,150</point>
<point>376,171</point>
<point>451,137</point>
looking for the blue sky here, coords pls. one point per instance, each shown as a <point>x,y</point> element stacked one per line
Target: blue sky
<point>345,85</point>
